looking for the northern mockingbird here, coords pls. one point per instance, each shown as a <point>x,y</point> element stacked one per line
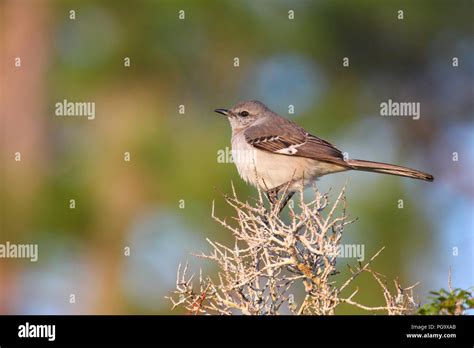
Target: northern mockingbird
<point>273,153</point>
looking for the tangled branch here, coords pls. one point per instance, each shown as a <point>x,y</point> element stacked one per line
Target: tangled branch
<point>272,262</point>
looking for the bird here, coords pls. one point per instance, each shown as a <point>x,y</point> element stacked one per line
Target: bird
<point>276,155</point>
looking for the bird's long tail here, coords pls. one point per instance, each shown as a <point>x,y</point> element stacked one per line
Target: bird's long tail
<point>385,168</point>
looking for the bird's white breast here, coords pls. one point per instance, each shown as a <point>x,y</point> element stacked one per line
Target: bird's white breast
<point>245,158</point>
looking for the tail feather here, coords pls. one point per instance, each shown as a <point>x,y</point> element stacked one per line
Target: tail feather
<point>385,168</point>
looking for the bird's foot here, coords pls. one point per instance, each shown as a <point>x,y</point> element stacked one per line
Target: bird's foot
<point>276,203</point>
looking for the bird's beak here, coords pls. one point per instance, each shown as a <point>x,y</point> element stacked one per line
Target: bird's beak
<point>224,112</point>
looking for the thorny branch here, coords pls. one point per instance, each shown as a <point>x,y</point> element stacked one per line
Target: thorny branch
<point>272,259</point>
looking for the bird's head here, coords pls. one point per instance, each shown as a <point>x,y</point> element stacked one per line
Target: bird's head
<point>245,113</point>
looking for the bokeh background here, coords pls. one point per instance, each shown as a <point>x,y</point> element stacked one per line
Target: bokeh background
<point>159,203</point>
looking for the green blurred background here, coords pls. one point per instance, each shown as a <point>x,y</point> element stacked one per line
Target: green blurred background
<point>159,203</point>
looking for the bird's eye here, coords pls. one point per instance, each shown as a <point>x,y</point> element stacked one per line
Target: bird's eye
<point>244,113</point>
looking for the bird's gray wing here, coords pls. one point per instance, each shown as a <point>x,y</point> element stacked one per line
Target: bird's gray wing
<point>281,136</point>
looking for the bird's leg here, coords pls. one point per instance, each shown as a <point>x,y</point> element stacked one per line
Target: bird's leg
<point>272,196</point>
<point>285,201</point>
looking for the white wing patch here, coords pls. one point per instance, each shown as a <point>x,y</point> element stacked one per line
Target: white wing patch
<point>290,150</point>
